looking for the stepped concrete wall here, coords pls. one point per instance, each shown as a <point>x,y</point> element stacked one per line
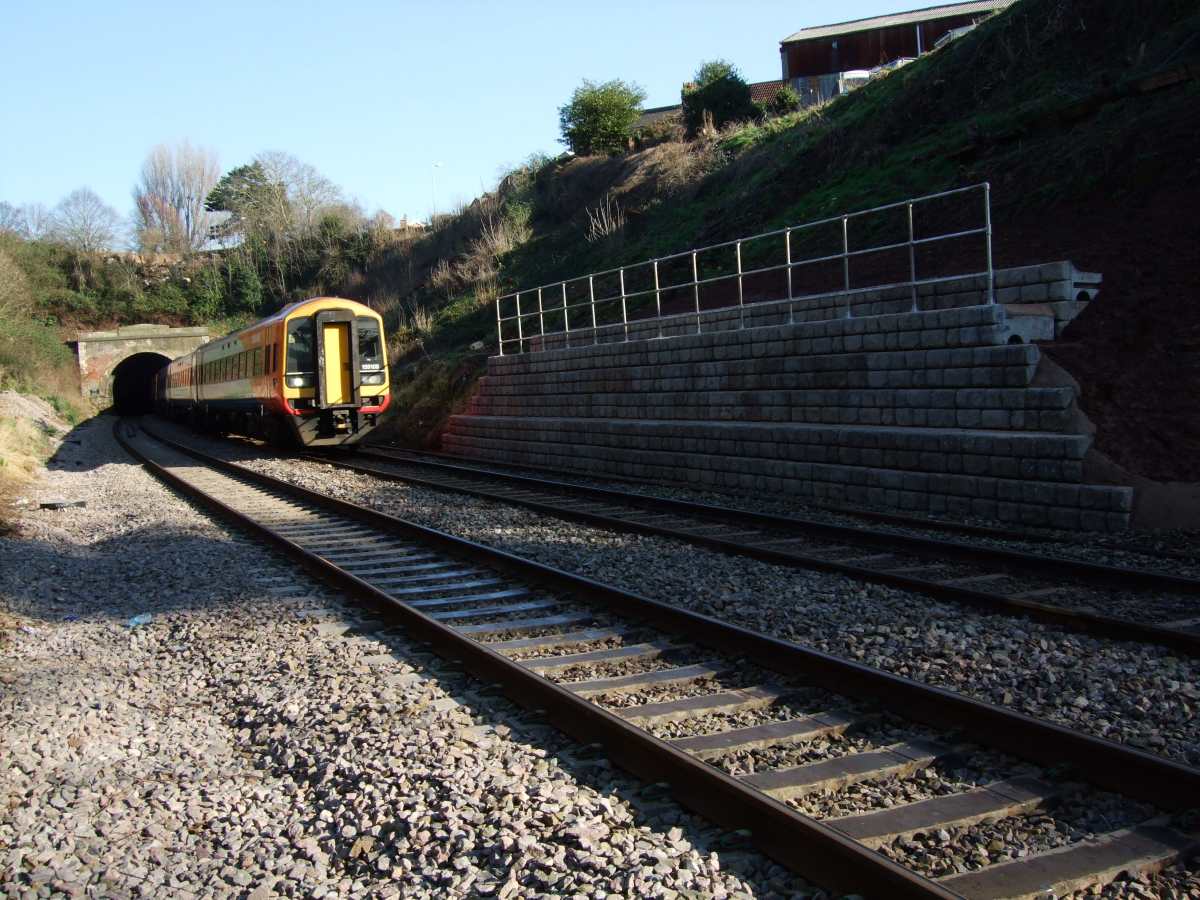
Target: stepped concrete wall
<point>929,411</point>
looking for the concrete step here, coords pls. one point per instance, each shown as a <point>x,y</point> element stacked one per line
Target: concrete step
<point>953,451</point>
<point>1030,409</point>
<point>970,326</point>
<point>637,368</point>
<point>1031,495</point>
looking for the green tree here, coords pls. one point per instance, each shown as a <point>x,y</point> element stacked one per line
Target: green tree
<point>254,201</point>
<point>245,292</point>
<point>599,117</point>
<point>718,89</point>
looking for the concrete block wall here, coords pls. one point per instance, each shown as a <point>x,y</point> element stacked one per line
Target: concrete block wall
<point>930,411</point>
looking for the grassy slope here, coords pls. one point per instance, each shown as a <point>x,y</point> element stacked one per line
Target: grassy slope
<point>1040,101</point>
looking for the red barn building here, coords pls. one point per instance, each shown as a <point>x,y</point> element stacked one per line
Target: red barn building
<point>827,60</point>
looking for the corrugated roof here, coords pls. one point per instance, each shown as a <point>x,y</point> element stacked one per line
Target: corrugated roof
<point>929,13</point>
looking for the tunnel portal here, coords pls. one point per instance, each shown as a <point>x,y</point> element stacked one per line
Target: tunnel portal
<point>133,383</point>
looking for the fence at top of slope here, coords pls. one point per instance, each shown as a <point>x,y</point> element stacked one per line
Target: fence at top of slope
<point>914,244</point>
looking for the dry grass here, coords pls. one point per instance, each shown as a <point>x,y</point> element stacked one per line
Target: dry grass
<point>441,278</point>
<point>29,428</point>
<point>605,220</point>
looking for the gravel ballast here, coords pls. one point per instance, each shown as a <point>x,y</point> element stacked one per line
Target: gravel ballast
<point>1137,694</point>
<point>185,718</point>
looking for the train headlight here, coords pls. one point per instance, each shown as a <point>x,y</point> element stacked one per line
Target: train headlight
<point>299,381</point>
<point>372,378</point>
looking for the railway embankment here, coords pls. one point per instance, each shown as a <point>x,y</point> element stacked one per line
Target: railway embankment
<point>1079,114</point>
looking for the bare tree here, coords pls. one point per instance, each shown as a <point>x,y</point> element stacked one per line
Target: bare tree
<point>170,195</point>
<point>83,221</point>
<point>30,220</point>
<point>308,191</point>
<point>12,219</point>
<point>37,221</point>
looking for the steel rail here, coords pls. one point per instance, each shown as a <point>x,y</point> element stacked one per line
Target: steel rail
<point>803,844</point>
<point>820,851</point>
<point>1111,627</point>
<point>1117,767</point>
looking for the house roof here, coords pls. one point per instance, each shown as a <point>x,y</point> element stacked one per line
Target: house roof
<point>657,114</point>
<point>764,91</point>
<point>927,14</point>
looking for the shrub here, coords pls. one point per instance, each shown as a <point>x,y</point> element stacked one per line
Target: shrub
<point>659,132</point>
<point>16,299</point>
<point>167,299</point>
<point>786,100</point>
<point>206,295</point>
<point>245,289</point>
<point>599,117</point>
<point>720,90</point>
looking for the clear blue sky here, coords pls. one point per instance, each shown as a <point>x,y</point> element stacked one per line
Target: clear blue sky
<point>370,93</point>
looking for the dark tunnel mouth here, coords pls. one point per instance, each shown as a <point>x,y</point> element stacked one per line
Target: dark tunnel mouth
<point>133,383</point>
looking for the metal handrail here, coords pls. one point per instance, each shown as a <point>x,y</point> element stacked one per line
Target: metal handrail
<point>696,282</point>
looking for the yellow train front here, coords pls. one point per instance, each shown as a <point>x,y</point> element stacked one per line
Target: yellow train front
<point>314,374</point>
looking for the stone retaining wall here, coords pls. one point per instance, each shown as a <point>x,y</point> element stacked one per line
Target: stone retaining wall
<point>930,411</point>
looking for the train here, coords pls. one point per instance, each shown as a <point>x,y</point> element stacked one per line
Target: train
<point>313,374</point>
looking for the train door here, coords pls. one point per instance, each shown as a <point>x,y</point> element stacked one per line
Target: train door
<point>338,387</point>
<point>337,352</point>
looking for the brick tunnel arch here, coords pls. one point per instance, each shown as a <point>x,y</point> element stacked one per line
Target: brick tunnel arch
<point>133,382</point>
<point>102,353</point>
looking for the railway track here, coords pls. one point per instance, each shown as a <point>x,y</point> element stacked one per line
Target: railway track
<point>835,512</point>
<point>1103,600</point>
<point>753,732</point>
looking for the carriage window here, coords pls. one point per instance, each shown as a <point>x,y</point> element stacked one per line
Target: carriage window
<point>300,358</point>
<point>370,350</point>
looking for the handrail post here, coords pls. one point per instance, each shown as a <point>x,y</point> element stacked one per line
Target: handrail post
<point>592,303</point>
<point>846,262</point>
<point>696,288</point>
<point>541,319</point>
<point>499,328</point>
<point>520,325</point>
<point>912,257</point>
<point>787,245</point>
<point>624,310</point>
<point>657,299</point>
<point>987,213</point>
<point>566,316</point>
<point>741,295</point>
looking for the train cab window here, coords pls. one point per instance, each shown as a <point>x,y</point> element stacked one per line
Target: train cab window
<point>300,364</point>
<point>370,348</point>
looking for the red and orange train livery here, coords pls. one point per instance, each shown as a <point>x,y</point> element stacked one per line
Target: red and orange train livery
<point>314,374</point>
